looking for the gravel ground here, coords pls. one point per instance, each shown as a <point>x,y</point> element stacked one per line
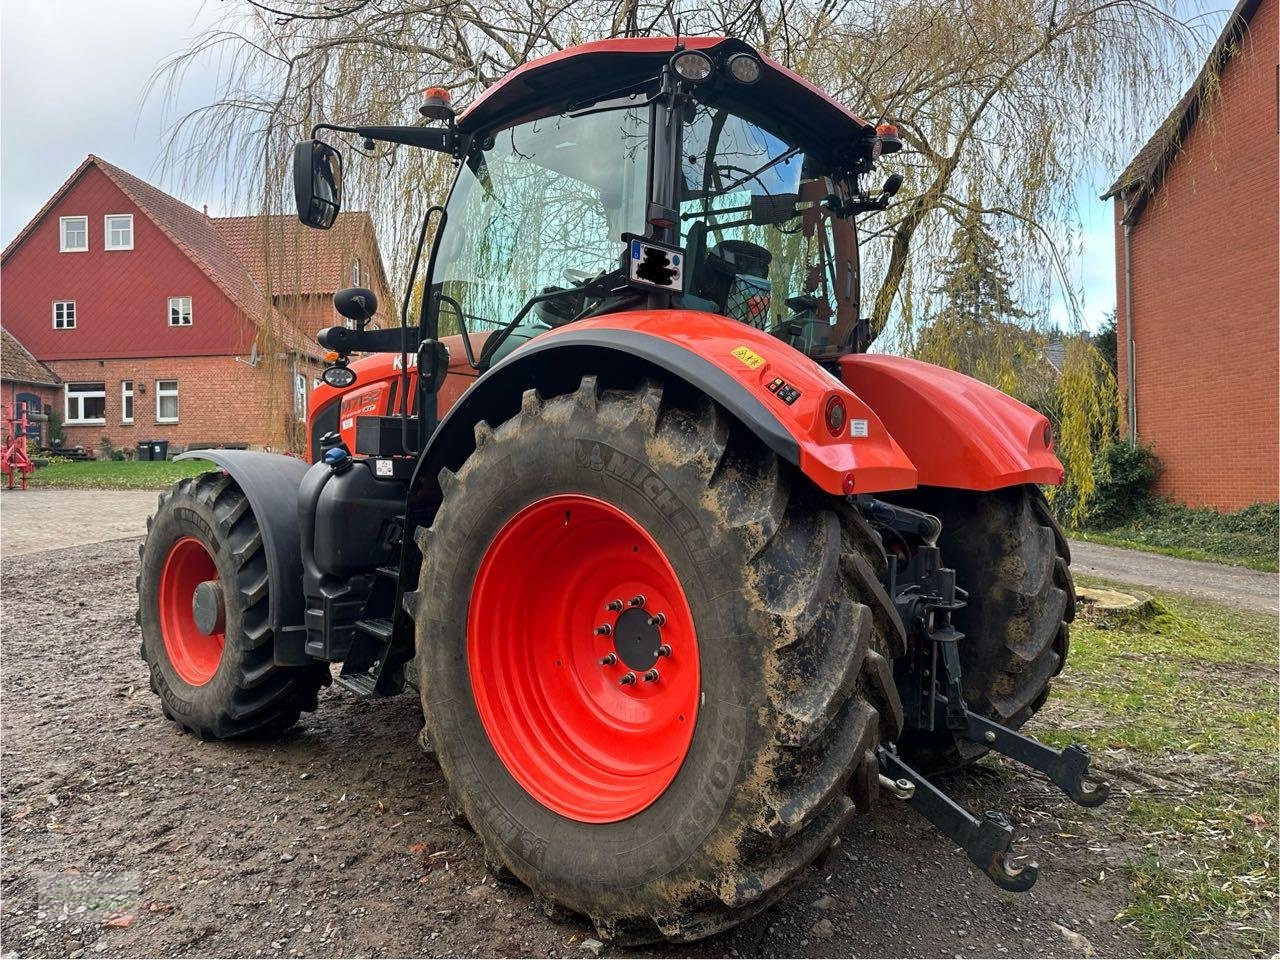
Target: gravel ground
<point>123,837</point>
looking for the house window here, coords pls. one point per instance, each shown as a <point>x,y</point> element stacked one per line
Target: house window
<point>86,403</point>
<point>166,401</point>
<point>74,234</point>
<point>126,401</point>
<point>355,274</point>
<point>119,231</point>
<point>179,311</point>
<point>64,314</point>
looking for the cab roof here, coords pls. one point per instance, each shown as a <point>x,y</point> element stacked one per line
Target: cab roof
<point>575,75</point>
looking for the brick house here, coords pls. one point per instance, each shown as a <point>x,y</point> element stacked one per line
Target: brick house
<point>1198,276</point>
<point>158,320</point>
<point>24,379</point>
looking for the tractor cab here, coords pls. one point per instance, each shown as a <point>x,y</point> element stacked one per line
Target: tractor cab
<point>631,174</point>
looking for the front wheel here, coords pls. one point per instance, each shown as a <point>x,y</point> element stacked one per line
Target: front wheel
<point>653,663</point>
<point>203,607</point>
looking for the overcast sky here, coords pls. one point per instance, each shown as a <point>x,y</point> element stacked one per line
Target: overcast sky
<point>72,77</point>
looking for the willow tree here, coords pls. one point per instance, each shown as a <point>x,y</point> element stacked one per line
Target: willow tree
<point>1009,100</point>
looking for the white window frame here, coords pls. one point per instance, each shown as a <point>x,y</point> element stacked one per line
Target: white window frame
<point>106,231</point>
<point>62,235</point>
<point>191,313</point>
<point>126,401</point>
<point>80,397</point>
<point>64,318</point>
<point>162,392</point>
<point>355,273</point>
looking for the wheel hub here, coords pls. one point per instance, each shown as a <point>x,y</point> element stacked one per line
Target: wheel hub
<point>637,639</point>
<point>208,608</point>
<point>191,611</point>
<point>583,658</point>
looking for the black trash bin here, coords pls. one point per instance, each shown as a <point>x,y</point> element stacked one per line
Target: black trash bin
<point>144,449</point>
<point>159,449</point>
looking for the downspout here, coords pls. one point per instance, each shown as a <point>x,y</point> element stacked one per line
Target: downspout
<point>1131,399</point>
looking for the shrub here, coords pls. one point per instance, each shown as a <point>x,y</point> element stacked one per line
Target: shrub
<point>1122,479</point>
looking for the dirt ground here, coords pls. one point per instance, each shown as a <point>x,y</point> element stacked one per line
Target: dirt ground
<point>123,837</point>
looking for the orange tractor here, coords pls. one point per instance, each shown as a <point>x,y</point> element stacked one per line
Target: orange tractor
<point>683,576</point>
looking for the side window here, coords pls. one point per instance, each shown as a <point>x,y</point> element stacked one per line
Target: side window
<point>118,231</point>
<point>73,234</point>
<point>85,403</point>
<point>126,401</point>
<point>166,401</point>
<point>64,314</point>
<point>179,311</point>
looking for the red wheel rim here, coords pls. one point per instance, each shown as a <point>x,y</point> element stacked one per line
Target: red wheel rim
<point>581,742</point>
<point>194,655</point>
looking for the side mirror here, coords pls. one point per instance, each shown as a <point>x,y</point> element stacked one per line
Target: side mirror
<point>356,303</point>
<point>317,183</point>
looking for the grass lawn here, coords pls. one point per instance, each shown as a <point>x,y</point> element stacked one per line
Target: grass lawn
<point>117,474</point>
<point>1180,712</point>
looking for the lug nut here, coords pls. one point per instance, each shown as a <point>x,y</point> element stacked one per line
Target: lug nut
<point>637,600</point>
<point>613,605</point>
<point>651,676</point>
<point>657,620</point>
<point>663,651</point>
<point>608,660</point>
<point>628,678</point>
<point>603,630</point>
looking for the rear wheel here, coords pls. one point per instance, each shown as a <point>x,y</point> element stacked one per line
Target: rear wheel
<point>653,665</point>
<point>1010,555</point>
<point>203,606</point>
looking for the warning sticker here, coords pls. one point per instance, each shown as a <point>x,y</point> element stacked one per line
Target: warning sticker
<point>857,428</point>
<point>748,356</point>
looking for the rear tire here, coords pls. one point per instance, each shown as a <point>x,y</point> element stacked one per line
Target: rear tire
<point>205,523</point>
<point>1010,555</point>
<point>793,635</point>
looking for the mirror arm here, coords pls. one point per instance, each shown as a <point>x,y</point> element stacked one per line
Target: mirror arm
<point>439,139</point>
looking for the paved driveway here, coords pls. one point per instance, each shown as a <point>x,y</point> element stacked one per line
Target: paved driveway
<point>35,520</point>
<point>1231,586</point>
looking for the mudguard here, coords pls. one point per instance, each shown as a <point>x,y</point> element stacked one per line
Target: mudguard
<point>959,432</point>
<point>734,364</point>
<point>270,481</point>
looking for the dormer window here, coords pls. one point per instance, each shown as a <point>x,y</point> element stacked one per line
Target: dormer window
<point>73,234</point>
<point>118,230</point>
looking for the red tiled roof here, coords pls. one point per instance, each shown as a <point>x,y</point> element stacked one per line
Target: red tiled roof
<point>19,366</point>
<point>288,258</point>
<point>1145,169</point>
<point>194,234</point>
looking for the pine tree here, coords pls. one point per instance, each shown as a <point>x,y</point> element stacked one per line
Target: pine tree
<point>979,330</point>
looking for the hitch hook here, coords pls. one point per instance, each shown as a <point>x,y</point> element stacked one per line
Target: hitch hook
<point>985,841</point>
<point>1067,768</point>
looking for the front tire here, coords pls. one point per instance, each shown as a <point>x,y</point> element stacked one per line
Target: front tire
<point>780,687</point>
<point>216,681</point>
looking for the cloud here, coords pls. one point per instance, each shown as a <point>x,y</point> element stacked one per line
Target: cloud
<point>72,76</point>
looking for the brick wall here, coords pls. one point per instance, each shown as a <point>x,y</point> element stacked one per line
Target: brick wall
<point>220,400</point>
<point>1206,289</point>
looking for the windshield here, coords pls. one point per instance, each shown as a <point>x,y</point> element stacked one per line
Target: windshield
<point>761,247</point>
<point>545,207</point>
